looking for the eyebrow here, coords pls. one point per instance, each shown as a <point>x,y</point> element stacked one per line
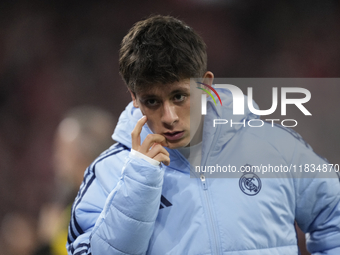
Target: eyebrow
<point>150,95</point>
<point>180,91</point>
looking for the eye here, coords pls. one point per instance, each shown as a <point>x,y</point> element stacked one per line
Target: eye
<point>151,102</point>
<point>179,98</point>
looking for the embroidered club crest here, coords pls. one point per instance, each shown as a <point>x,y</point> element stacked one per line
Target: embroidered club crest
<point>250,184</point>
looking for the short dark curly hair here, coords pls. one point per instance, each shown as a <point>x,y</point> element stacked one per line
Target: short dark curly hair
<point>161,50</point>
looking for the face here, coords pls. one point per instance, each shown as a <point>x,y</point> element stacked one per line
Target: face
<point>167,108</point>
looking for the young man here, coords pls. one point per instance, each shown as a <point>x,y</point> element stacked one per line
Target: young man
<point>138,197</point>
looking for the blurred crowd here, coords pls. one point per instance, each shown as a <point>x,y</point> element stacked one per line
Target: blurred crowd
<point>59,60</point>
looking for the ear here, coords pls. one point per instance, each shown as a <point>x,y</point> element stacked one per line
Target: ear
<point>208,78</point>
<point>134,99</point>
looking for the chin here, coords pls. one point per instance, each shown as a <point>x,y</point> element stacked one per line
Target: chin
<point>176,145</point>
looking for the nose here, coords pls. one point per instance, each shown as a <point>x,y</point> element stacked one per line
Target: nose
<point>169,115</point>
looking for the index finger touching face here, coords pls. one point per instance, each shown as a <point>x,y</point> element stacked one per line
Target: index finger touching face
<point>135,134</point>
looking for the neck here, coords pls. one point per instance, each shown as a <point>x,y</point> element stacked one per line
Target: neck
<point>197,138</point>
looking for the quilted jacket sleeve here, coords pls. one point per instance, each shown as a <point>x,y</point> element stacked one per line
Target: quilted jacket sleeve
<point>318,202</point>
<point>121,221</point>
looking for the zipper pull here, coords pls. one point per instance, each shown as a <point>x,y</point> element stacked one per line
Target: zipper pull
<point>202,177</point>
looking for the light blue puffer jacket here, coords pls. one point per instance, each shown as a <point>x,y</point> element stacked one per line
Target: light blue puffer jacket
<point>128,206</point>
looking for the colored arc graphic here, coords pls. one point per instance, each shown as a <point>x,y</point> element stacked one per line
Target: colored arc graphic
<point>209,92</point>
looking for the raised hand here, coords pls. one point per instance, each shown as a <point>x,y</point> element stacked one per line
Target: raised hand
<point>152,145</point>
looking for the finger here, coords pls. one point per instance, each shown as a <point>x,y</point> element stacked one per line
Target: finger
<point>150,140</point>
<point>161,144</point>
<point>135,134</point>
<point>162,158</point>
<point>156,149</point>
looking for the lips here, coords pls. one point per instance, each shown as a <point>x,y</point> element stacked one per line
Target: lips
<point>172,136</point>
